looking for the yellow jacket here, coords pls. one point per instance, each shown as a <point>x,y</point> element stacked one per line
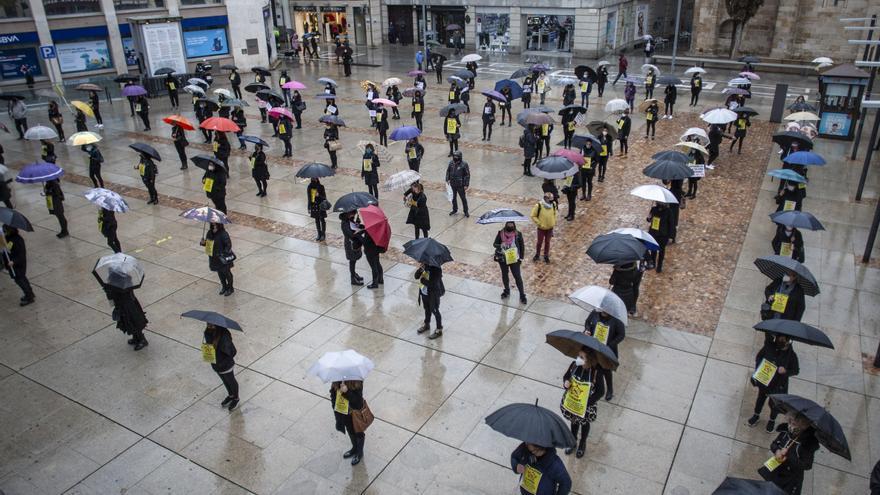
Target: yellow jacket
<point>544,218</point>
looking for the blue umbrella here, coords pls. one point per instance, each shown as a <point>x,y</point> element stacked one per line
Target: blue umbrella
<point>515,89</point>
<point>405,133</point>
<point>39,172</point>
<point>255,140</point>
<point>787,174</point>
<point>495,95</point>
<point>797,219</point>
<point>805,158</point>
<point>632,80</point>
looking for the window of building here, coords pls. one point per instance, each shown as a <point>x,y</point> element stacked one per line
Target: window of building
<point>138,4</point>
<point>65,7</point>
<point>834,3</point>
<point>12,9</point>
<point>201,2</point>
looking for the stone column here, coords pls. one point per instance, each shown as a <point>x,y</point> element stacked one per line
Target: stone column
<point>515,30</point>
<point>588,38</point>
<point>115,39</point>
<point>470,30</point>
<point>376,24</point>
<point>173,7</point>
<point>285,14</point>
<point>45,35</point>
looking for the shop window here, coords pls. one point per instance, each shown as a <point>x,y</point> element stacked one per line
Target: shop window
<point>205,41</point>
<point>841,4</point>
<point>138,4</point>
<point>17,60</point>
<point>201,2</point>
<point>66,7</point>
<point>11,9</point>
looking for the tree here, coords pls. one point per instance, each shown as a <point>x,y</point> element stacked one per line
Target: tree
<point>740,12</point>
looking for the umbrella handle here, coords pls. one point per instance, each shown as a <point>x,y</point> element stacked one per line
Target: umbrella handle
<point>9,258</point>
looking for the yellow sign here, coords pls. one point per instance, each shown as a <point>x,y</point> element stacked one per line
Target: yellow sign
<point>209,247</point>
<point>411,153</point>
<point>655,223</point>
<point>451,95</point>
<point>171,86</point>
<point>649,80</point>
<point>341,405</point>
<point>601,332</point>
<point>511,255</point>
<point>49,203</point>
<point>282,129</point>
<point>216,146</point>
<point>208,185</point>
<point>142,169</point>
<point>45,151</point>
<point>780,301</point>
<point>253,162</point>
<point>697,83</point>
<point>741,124</point>
<point>209,353</point>
<point>541,86</point>
<point>802,186</point>
<point>379,117</point>
<point>531,478</point>
<point>312,195</point>
<point>583,87</point>
<point>649,116</point>
<point>137,108</point>
<point>772,463</point>
<point>785,249</point>
<point>571,125</point>
<point>620,124</point>
<point>576,397</point>
<point>604,151</point>
<point>451,126</point>
<point>765,372</point>
<point>368,164</point>
<point>588,163</point>
<point>545,129</point>
<point>788,206</point>
<point>417,107</point>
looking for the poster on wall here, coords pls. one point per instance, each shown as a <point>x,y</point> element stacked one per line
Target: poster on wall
<point>642,25</point>
<point>130,52</point>
<point>15,62</point>
<point>835,124</point>
<point>205,42</point>
<point>610,29</point>
<point>163,46</point>
<point>83,55</point>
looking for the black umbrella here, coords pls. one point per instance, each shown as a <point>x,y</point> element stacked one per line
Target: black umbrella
<point>616,249</point>
<point>740,486</point>
<point>126,78</point>
<point>532,424</point>
<point>796,330</point>
<point>332,119</point>
<point>596,126</point>
<point>147,150</point>
<point>428,251</point>
<point>458,107</point>
<point>213,318</point>
<point>554,167</point>
<point>438,57</point>
<point>315,170</point>
<point>571,109</point>
<point>746,110</point>
<point>578,141</point>
<point>668,170</point>
<point>254,87</point>
<point>785,139</point>
<point>464,74</point>
<point>775,266</point>
<point>272,97</point>
<point>797,219</point>
<point>261,70</point>
<point>163,71</point>
<point>255,140</point>
<point>518,73</point>
<point>802,106</point>
<point>202,161</point>
<point>828,430</point>
<point>228,67</point>
<point>667,80</point>
<point>749,59</point>
<point>353,201</point>
<point>570,342</point>
<point>580,70</point>
<point>671,155</point>
<point>13,218</point>
<point>12,97</point>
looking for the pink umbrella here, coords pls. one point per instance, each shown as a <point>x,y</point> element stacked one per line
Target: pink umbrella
<point>280,112</point>
<point>294,85</point>
<point>750,75</point>
<point>570,155</point>
<point>385,102</point>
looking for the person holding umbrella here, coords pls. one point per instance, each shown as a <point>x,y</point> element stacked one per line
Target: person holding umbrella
<point>15,262</point>
<point>259,169</point>
<point>171,85</point>
<point>606,150</point>
<point>660,218</point>
<point>544,215</point>
<point>568,127</point>
<point>542,471</point>
<point>418,104</point>
<point>178,135</point>
<point>107,227</point>
<point>544,133</point>
<point>203,113</point>
<point>282,80</point>
<point>418,215</point>
<point>670,94</point>
<point>624,125</point>
<point>586,87</point>
<point>214,185</point>
<point>588,170</point>
<point>221,148</point>
<point>79,121</point>
<point>57,119</point>
<point>625,281</point>
<point>583,388</point>
<point>629,94</point>
<point>569,188</point>
<point>431,289</point>
<point>715,137</point>
<point>347,59</point>
<point>774,364</point>
<point>649,84</point>
<point>370,170</point>
<point>458,177</point>
<point>784,299</point>
<point>793,449</point>
<point>651,115</point>
<point>529,143</point>
<point>393,94</point>
<point>235,81</point>
<point>790,197</point>
<point>371,252</point>
<point>414,153</point>
<point>788,242</point>
<point>488,118</point>
<point>219,351</point>
<point>55,204</point>
<point>611,332</point>
<point>696,87</point>
<point>315,196</point>
<point>148,172</point>
<point>142,108</point>
<point>568,95</point>
<point>506,106</point>
<point>95,103</point>
<point>127,311</point>
<point>602,79</point>
<point>47,151</point>
<point>510,250</point>
<point>353,243</point>
<point>241,121</point>
<point>218,247</point>
<point>285,133</point>
<point>331,137</point>
<point>345,397</point>
<point>454,93</point>
<point>451,129</point>
<point>382,124</point>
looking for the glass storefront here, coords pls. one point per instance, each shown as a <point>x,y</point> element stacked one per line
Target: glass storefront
<point>549,33</point>
<point>333,23</point>
<point>492,31</point>
<point>305,20</point>
<point>442,20</point>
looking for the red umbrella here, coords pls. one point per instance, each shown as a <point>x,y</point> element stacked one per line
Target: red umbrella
<point>221,124</point>
<point>280,112</point>
<point>179,121</point>
<point>376,224</point>
<point>571,155</point>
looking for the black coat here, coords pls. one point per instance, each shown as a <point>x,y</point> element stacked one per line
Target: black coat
<point>355,400</point>
<point>330,134</point>
<point>518,242</point>
<point>418,210</point>
<point>588,169</point>
<point>382,120</point>
<point>222,148</point>
<point>421,103</point>
<point>370,177</point>
<point>47,151</point>
<point>794,195</point>
<point>17,252</point>
<point>623,283</point>
<point>150,169</point>
<point>5,191</point>
<point>663,227</point>
<point>420,152</point>
<point>458,175</point>
<point>259,168</point>
<point>179,136</point>
<point>670,94</point>
<point>224,349</point>
<point>616,330</point>
<point>696,84</point>
<point>107,222</point>
<point>351,240</point>
<point>314,205</point>
<point>794,309</point>
<point>796,240</point>
<point>219,177</point>
<point>95,160</point>
<point>490,116</point>
<point>434,284</point>
<point>554,477</point>
<point>222,247</point>
<point>624,124</point>
<point>529,143</point>
<point>789,476</point>
<point>782,358</point>
<point>52,189</point>
<point>127,310</point>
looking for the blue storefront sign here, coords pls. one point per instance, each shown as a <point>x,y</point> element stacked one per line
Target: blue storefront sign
<point>18,38</point>
<point>16,62</point>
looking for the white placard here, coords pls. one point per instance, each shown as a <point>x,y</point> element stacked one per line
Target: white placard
<point>164,47</point>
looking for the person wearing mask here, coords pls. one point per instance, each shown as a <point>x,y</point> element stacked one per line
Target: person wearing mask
<point>544,133</point>
<point>529,143</point>
<point>676,187</point>
<point>218,247</point>
<point>235,81</point>
<point>345,397</point>
<point>458,177</point>
<point>347,60</point>
<point>624,125</point>
<point>541,471</point>
<point>382,124</point>
<point>370,170</point>
<point>624,281</point>
<point>204,112</point>
<point>568,127</point>
<point>650,82</point>
<point>393,94</point>
<point>715,136</point>
<point>240,120</point>
<point>418,216</point>
<point>315,195</point>
<point>793,452</point>
<point>670,94</point>
<point>259,170</point>
<point>583,387</point>
<point>297,107</point>
<point>660,219</point>
<point>142,108</point>
<point>214,185</point>
<point>107,227</point>
<point>18,112</point>
<point>178,135</point>
<point>569,188</point>
<point>351,241</point>
<point>651,115</point>
<point>438,68</point>
<point>588,169</point>
<point>505,106</point>
<point>696,87</point>
<point>790,198</point>
<point>15,262</point>
<point>47,151</point>
<point>488,118</point>
<point>774,364</point>
<point>606,150</point>
<point>55,204</point>
<point>221,148</point>
<point>568,95</point>
<point>622,65</point>
<point>586,87</point>
<point>372,252</point>
<point>419,82</point>
<point>528,87</point>
<point>171,85</point>
<point>285,133</point>
<point>542,87</point>
<point>57,119</point>
<point>741,125</point>
<point>544,217</point>
<point>148,172</point>
<point>788,242</point>
<point>331,143</point>
<point>79,121</point>
<point>414,152</point>
<point>611,332</point>
<point>454,95</point>
<point>510,250</point>
<point>127,311</point>
<point>418,105</point>
<point>629,94</point>
<point>431,289</point>
<point>219,351</point>
<point>285,92</point>
<point>784,299</point>
<point>452,130</point>
<point>602,80</point>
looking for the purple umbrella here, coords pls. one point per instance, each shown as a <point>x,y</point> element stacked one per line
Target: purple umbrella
<point>734,91</point>
<point>133,90</point>
<point>39,172</point>
<point>540,68</point>
<point>416,72</point>
<point>495,95</point>
<point>405,133</point>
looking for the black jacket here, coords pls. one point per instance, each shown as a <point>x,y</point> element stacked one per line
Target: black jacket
<point>351,241</point>
<point>554,477</point>
<point>587,375</point>
<point>127,310</point>
<point>796,240</point>
<point>224,349</point>
<point>259,170</point>
<point>421,103</point>
<point>782,358</point>
<point>382,120</point>
<point>518,242</point>
<point>789,475</point>
<point>355,400</point>
<point>420,151</point>
<point>616,330</point>
<point>107,222</point>
<point>795,195</point>
<point>235,79</point>
<point>372,176</point>
<point>52,189</point>
<point>150,169</point>
<point>434,283</point>
<point>529,143</point>
<point>320,195</point>
<point>418,212</point>
<point>662,226</point>
<point>95,159</point>
<point>624,124</point>
<point>796,305</point>
<point>696,84</point>
<point>588,169</point>
<point>670,94</point>
<point>489,117</point>
<point>458,175</point>
<point>222,247</point>
<point>179,136</point>
<point>219,177</point>
<point>17,253</point>
<point>172,84</point>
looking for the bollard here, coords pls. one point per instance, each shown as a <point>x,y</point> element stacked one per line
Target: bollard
<point>778,107</point>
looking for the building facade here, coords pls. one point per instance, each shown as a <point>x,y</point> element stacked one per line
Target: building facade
<point>94,37</point>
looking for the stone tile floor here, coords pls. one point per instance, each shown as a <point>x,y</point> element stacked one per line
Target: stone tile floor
<point>87,415</point>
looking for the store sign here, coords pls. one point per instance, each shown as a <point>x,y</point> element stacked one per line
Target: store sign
<point>47,52</point>
<point>163,46</point>
<point>300,8</point>
<point>84,56</point>
<point>15,38</point>
<point>332,9</point>
<point>16,62</point>
<point>205,42</point>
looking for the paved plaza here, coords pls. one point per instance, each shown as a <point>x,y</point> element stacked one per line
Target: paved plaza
<point>84,414</point>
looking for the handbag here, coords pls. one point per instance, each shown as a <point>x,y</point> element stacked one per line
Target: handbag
<point>362,418</point>
<point>58,120</point>
<point>227,259</point>
<point>301,106</point>
<point>324,205</point>
<point>334,145</point>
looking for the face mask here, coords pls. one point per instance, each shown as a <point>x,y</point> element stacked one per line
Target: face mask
<point>788,231</point>
<point>548,200</point>
<point>210,168</point>
<point>789,187</point>
<point>604,133</point>
<point>579,361</point>
<point>786,279</point>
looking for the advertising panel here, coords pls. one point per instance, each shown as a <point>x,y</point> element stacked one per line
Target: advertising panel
<point>84,55</point>
<point>163,47</point>
<point>205,42</point>
<point>15,62</point>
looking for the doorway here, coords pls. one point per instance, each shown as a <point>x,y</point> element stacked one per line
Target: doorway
<point>360,25</point>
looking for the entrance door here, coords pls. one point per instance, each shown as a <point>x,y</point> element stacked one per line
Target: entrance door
<point>360,26</point>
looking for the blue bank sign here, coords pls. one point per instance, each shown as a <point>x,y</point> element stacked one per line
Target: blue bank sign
<point>17,38</point>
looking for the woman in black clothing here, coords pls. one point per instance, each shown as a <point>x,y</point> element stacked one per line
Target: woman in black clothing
<point>221,148</point>
<point>57,119</point>
<point>696,87</point>
<point>353,244</point>
<point>370,170</point>
<point>47,151</point>
<point>774,364</point>
<point>715,136</point>
<point>142,107</point>
<point>601,80</point>
<point>793,453</point>
<point>15,262</point>
<point>609,331</point>
<point>218,345</point>
<point>789,198</point>
<point>624,282</point>
<point>693,182</point>
<point>95,161</point>
<point>214,185</point>
<point>570,186</point>
<point>788,242</point>
<point>259,170</point>
<point>107,226</point>
<point>414,152</point>
<point>127,311</point>
<point>510,250</point>
<point>588,169</point>
<point>606,150</point>
<point>431,289</point>
<point>583,388</point>
<point>331,135</point>
<point>568,128</point>
<point>344,398</point>
<point>178,134</point>
<point>624,124</point>
<point>95,103</point>
<point>506,106</point>
<point>784,299</point>
<point>660,218</point>
<point>241,121</point>
<point>568,95</point>
<point>148,172</point>
<point>55,204</point>
<point>203,113</point>
<point>315,195</point>
<point>285,133</point>
<point>670,94</point>
<point>488,118</point>
<point>418,104</point>
<point>382,124</point>
<point>297,106</point>
<point>393,94</point>
<point>452,130</point>
<point>528,86</point>
<point>650,81</point>
<point>741,125</point>
<point>218,247</point>
<point>651,116</point>
<point>418,215</point>
<point>80,121</point>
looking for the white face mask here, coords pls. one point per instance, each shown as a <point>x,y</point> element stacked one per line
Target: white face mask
<point>789,187</point>
<point>579,361</point>
<point>786,279</point>
<point>788,231</point>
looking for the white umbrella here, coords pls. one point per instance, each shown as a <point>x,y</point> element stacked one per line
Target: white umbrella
<point>823,60</point>
<point>594,297</point>
<point>694,146</point>
<point>646,67</point>
<point>107,199</point>
<point>391,81</point>
<point>654,192</point>
<point>638,234</point>
<point>822,66</point>
<point>401,180</point>
<point>603,62</point>
<point>696,131</point>
<point>38,132</point>
<point>341,366</point>
<point>719,116</point>
<point>565,81</point>
<point>802,116</point>
<point>473,57</point>
<point>223,91</point>
<point>616,105</point>
<point>698,70</point>
<point>193,89</point>
<point>736,81</point>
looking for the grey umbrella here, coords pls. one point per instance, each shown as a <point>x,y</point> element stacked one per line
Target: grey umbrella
<point>666,80</point>
<point>532,424</point>
<point>668,170</point>
<point>554,167</point>
<point>459,108</point>
<point>596,127</point>
<point>671,155</point>
<point>38,132</point>
<point>213,318</point>
<point>797,219</point>
<point>520,73</point>
<point>616,249</point>
<point>775,267</point>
